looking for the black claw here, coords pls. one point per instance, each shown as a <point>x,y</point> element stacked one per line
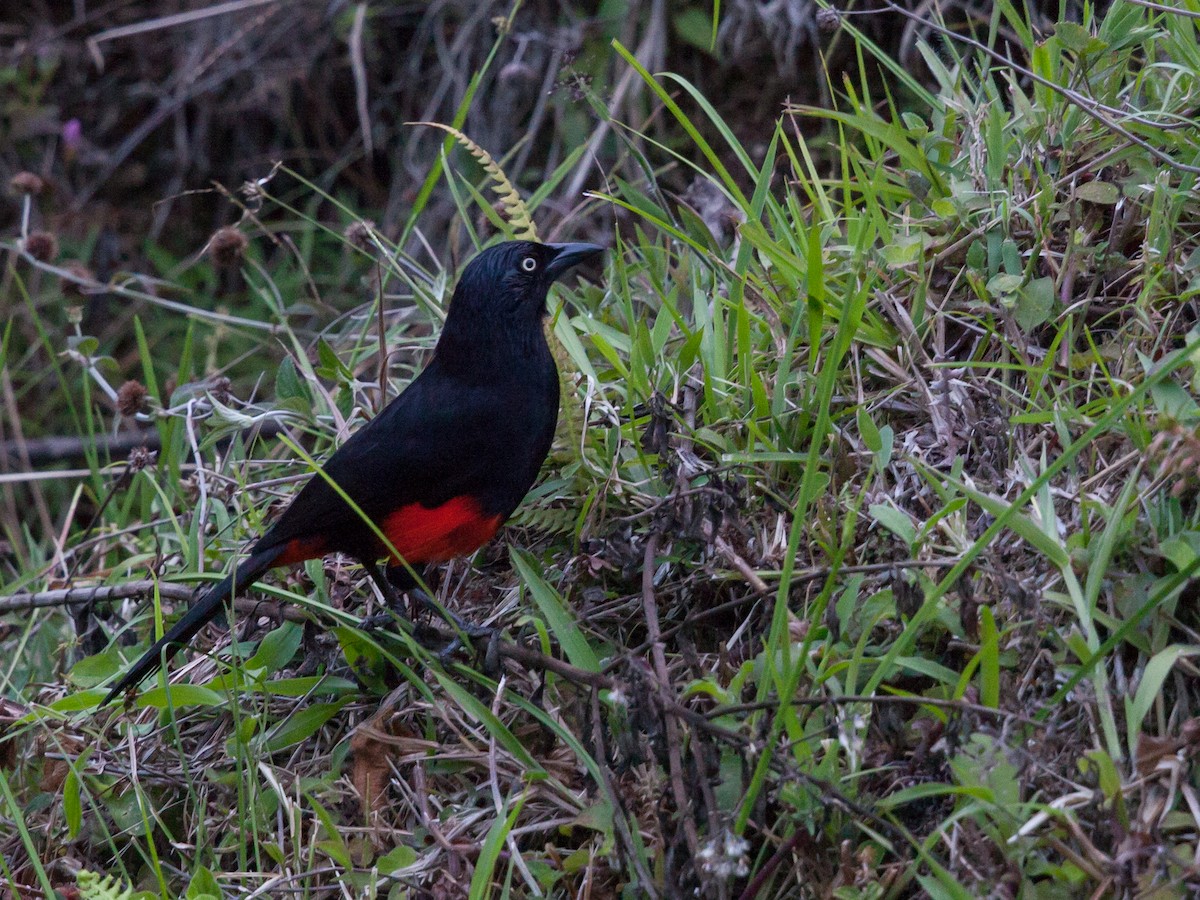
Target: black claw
<point>466,633</point>
<point>491,656</point>
<point>377,621</point>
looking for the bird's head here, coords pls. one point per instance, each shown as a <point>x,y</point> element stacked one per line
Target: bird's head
<point>496,313</point>
<point>514,277</point>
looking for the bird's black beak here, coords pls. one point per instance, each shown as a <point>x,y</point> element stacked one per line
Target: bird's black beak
<point>567,256</point>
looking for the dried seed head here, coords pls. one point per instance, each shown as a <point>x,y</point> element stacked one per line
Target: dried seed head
<point>1177,450</point>
<point>227,246</point>
<point>359,234</point>
<point>42,246</point>
<point>829,20</point>
<point>82,273</point>
<point>26,183</point>
<point>141,457</point>
<point>220,389</point>
<point>131,398</point>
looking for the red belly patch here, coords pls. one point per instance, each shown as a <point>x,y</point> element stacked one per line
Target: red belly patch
<point>299,549</point>
<point>455,528</point>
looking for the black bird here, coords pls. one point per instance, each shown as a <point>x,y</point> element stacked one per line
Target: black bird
<point>442,466</point>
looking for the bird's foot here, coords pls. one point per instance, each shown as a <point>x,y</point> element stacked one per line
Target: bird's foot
<point>380,620</point>
<point>475,635</point>
<point>468,629</point>
<point>467,635</point>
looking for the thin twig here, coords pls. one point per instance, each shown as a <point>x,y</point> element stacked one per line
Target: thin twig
<point>359,68</point>
<point>167,590</point>
<point>101,593</point>
<point>659,658</point>
<point>112,34</point>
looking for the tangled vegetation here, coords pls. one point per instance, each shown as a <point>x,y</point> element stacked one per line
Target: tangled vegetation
<point>863,565</point>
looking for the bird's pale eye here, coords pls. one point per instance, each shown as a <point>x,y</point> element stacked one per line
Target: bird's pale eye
<point>529,264</point>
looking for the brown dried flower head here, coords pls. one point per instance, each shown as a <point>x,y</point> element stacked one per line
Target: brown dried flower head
<point>26,183</point>
<point>359,233</point>
<point>220,388</point>
<point>227,246</point>
<point>828,20</point>
<point>141,457</point>
<point>80,272</point>
<point>1177,451</point>
<point>131,398</point>
<point>42,246</point>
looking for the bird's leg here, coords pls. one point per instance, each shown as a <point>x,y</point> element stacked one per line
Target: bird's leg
<point>403,579</point>
<point>391,596</point>
<point>398,580</point>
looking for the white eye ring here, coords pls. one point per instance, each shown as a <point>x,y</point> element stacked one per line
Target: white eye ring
<point>529,264</point>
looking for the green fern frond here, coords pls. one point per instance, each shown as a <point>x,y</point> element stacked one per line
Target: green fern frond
<point>93,886</point>
<point>515,210</point>
<point>547,520</point>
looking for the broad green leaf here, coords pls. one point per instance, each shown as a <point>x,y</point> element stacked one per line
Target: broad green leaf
<point>895,521</point>
<point>1035,303</point>
<point>302,724</point>
<point>1155,674</point>
<point>277,648</point>
<point>558,618</point>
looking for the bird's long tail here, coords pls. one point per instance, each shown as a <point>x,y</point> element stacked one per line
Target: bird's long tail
<point>202,612</point>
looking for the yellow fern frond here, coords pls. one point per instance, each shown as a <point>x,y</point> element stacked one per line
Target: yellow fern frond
<point>515,210</point>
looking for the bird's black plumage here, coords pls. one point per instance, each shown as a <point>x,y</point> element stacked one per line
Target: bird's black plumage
<point>447,461</point>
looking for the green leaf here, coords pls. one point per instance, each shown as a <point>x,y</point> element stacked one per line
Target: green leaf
<point>1078,39</point>
<point>1108,777</point>
<point>1182,549</point>
<point>1103,193</point>
<point>976,256</point>
<point>868,431</point>
<point>288,385</point>
<point>303,724</point>
<point>989,658</point>
<point>904,250</point>
<point>1157,670</point>
<point>1003,287</point>
<point>308,684</point>
<point>400,857</point>
<point>1035,302</point>
<point>79,700</point>
<point>895,521</point>
<point>203,885</point>
<point>1175,401</point>
<point>330,364</point>
<point>489,852</point>
<point>72,802</point>
<point>180,695</point>
<point>887,441</point>
<point>277,648</point>
<point>558,618</point>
